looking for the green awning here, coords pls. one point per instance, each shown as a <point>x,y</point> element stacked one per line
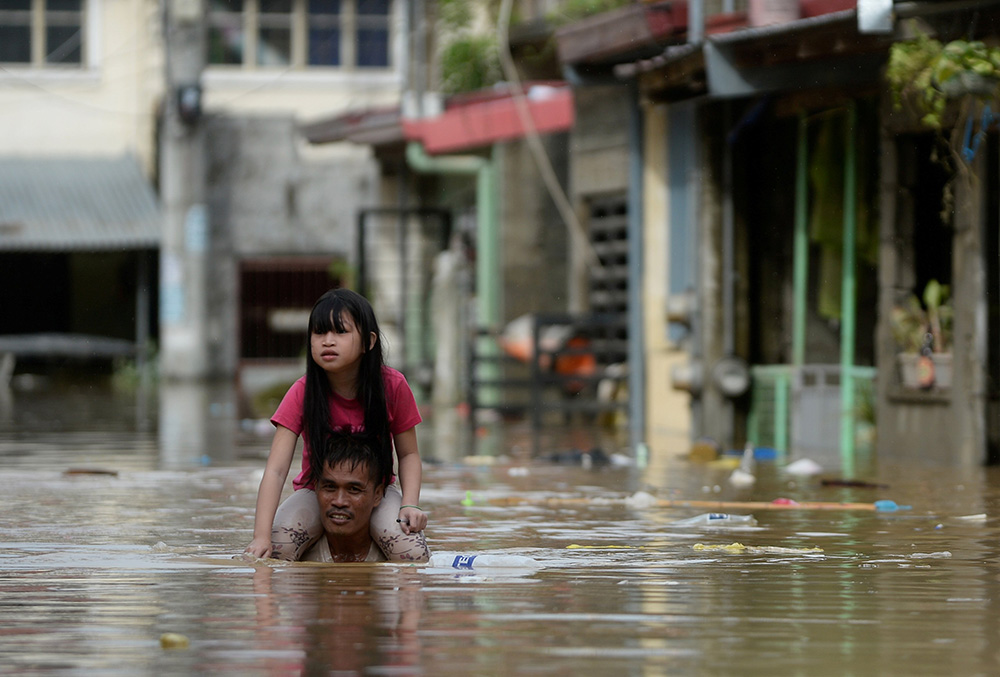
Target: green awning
<point>62,204</point>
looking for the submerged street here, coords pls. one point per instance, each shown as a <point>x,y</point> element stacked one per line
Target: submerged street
<point>117,534</point>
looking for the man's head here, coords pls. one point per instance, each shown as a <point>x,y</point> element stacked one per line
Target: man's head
<point>347,478</point>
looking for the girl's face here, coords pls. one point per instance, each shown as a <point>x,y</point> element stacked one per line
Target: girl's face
<point>338,352</point>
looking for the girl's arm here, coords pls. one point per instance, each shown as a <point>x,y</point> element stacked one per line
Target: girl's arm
<point>412,518</point>
<point>279,460</point>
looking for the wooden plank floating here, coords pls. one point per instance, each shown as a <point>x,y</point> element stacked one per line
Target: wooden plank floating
<point>700,504</point>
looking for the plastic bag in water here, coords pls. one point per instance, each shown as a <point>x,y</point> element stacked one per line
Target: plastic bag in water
<point>717,519</point>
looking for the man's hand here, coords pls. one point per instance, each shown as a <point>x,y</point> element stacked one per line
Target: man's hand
<point>260,547</point>
<point>412,520</point>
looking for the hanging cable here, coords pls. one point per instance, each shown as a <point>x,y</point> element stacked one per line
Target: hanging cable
<point>576,232</point>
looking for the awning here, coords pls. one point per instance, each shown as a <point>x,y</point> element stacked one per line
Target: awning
<point>481,122</point>
<point>824,49</point>
<point>468,121</point>
<point>76,204</point>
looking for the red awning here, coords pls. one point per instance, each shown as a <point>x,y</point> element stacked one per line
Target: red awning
<point>481,122</point>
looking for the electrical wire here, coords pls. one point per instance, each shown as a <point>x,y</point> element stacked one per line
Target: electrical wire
<point>576,232</point>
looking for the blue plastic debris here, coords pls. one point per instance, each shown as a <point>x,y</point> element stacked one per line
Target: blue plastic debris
<point>889,506</point>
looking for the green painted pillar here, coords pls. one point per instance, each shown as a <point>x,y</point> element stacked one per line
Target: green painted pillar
<point>848,299</point>
<point>800,286</point>
<point>800,280</point>
<point>781,412</point>
<point>488,277</point>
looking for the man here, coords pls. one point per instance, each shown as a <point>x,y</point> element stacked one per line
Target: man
<point>349,483</point>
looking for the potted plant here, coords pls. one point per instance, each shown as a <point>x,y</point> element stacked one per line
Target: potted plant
<point>922,329</point>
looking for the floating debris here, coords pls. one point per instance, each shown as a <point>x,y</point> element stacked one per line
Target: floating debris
<point>859,484</point>
<point>717,519</point>
<point>978,517</point>
<point>91,471</point>
<point>173,640</point>
<point>744,475</point>
<point>804,466</point>
<point>756,549</point>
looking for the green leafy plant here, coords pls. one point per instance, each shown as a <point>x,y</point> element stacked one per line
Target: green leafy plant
<point>930,74</point>
<point>914,321</point>
<point>573,10</point>
<point>469,56</point>
<point>469,63</point>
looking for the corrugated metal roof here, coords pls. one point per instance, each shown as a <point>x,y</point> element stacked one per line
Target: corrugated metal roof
<point>74,203</point>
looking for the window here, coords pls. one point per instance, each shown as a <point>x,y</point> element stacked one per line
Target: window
<point>299,33</point>
<point>373,33</point>
<point>41,32</point>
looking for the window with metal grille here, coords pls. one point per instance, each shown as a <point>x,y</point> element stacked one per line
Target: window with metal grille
<point>608,284</point>
<point>608,226</point>
<point>276,296</point>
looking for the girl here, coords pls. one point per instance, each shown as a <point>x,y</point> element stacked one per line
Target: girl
<point>346,385</point>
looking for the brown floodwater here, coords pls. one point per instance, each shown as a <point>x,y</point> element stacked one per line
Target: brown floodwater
<point>95,568</point>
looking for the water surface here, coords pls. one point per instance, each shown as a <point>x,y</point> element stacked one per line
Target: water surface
<point>95,568</point>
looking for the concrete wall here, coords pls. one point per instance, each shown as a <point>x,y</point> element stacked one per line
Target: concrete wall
<point>106,108</point>
<point>273,199</point>
<point>943,426</point>
<point>599,141</point>
<point>266,200</point>
<point>668,411</point>
<point>534,238</point>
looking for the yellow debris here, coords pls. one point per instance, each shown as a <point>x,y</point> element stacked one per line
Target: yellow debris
<point>726,463</point>
<point>703,452</point>
<point>173,640</point>
<point>757,550</point>
<point>733,547</point>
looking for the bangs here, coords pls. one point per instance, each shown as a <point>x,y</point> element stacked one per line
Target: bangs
<point>327,315</point>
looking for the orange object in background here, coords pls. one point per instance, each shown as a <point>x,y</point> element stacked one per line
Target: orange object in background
<point>565,354</point>
<point>576,364</point>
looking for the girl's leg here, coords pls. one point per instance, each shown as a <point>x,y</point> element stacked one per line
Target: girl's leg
<point>397,546</point>
<point>296,526</point>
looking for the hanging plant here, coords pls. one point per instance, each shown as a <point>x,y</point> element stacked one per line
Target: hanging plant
<point>931,74</point>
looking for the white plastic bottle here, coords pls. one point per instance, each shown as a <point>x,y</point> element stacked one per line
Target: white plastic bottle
<point>465,562</point>
<point>717,519</point>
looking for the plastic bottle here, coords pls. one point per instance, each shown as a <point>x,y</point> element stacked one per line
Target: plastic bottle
<point>464,562</point>
<point>717,519</point>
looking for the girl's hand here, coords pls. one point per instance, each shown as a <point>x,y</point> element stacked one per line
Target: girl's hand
<point>412,520</point>
<point>259,548</point>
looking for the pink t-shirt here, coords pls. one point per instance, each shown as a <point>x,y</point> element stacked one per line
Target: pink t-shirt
<point>403,413</point>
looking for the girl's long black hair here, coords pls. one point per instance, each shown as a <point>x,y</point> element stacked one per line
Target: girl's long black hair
<point>327,314</point>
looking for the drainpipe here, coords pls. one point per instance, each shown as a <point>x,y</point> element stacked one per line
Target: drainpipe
<point>487,245</point>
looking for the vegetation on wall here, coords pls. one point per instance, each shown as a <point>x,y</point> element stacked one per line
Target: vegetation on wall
<point>469,63</point>
<point>931,75</point>
<point>573,10</point>
<point>949,87</point>
<point>469,56</point>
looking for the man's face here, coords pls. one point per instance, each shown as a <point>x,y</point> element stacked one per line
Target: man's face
<point>346,499</point>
